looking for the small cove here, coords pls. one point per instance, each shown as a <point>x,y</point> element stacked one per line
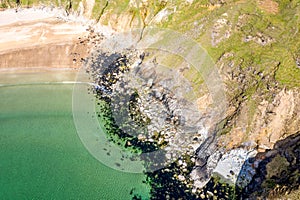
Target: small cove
<point>41,155</point>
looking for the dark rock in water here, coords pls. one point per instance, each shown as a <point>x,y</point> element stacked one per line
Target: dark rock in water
<point>145,110</point>
<point>165,186</point>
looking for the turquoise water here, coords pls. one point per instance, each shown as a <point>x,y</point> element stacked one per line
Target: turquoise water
<point>41,155</point>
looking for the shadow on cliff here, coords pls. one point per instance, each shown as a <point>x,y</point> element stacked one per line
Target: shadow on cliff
<point>277,171</point>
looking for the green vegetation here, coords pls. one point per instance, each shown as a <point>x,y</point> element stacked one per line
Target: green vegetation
<point>275,36</point>
<point>247,19</point>
<point>264,44</point>
<point>99,9</point>
<point>276,166</point>
<point>216,188</point>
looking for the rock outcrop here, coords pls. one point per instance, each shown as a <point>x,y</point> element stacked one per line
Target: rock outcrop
<point>276,170</point>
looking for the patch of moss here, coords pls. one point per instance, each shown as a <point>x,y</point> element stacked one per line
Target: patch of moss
<point>98,8</point>
<point>221,189</point>
<point>276,166</point>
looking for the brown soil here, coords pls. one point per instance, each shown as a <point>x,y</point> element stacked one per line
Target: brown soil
<point>268,6</point>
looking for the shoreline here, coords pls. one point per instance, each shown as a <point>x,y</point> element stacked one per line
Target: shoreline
<point>37,69</point>
<point>37,75</point>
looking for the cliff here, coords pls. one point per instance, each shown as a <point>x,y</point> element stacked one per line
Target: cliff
<point>254,46</point>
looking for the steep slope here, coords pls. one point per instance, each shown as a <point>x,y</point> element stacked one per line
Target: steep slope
<point>255,45</point>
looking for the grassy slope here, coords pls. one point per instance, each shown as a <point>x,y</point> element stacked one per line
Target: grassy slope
<point>285,34</point>
<point>282,27</point>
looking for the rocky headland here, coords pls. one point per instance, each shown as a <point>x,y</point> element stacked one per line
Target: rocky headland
<point>153,101</point>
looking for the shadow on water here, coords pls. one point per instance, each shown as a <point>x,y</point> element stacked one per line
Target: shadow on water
<point>276,171</point>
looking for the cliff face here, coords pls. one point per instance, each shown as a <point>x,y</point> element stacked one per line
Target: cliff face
<point>255,53</point>
<point>277,171</point>
<point>255,47</point>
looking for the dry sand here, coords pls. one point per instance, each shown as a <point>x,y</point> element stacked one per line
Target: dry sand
<point>40,38</point>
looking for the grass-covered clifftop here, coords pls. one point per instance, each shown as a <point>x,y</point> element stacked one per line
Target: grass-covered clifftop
<point>260,33</point>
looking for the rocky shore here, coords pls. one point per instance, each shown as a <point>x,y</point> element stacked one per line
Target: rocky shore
<point>144,109</point>
<point>149,105</point>
<point>143,113</point>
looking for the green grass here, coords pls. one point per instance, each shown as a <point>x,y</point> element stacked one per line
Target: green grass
<point>282,27</point>
<point>283,49</point>
<point>98,7</point>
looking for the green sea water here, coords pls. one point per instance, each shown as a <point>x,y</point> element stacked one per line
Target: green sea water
<point>41,155</point>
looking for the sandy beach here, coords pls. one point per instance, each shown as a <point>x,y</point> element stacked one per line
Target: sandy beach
<point>40,39</point>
